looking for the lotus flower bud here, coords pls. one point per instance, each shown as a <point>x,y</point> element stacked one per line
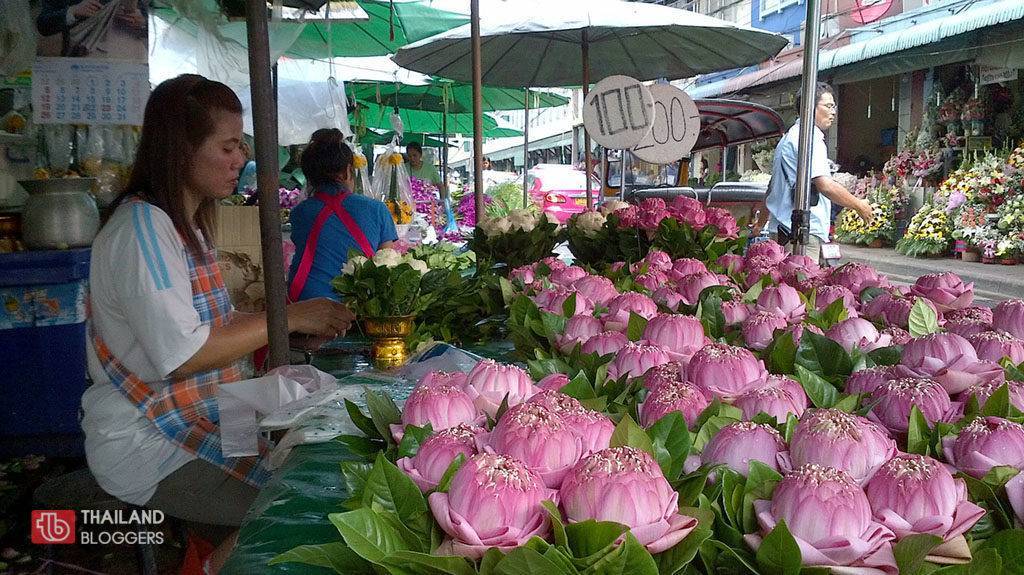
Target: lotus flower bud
<point>680,335</point>
<point>622,305</point>
<point>857,333</point>
<point>995,345</point>
<point>948,359</point>
<point>758,267</point>
<point>985,443</point>
<point>899,335</point>
<point>759,329</point>
<point>552,263</point>
<point>946,290</point>
<point>737,444</point>
<point>673,371</point>
<point>782,300</point>
<point>540,438</point>
<point>658,260</point>
<point>692,285</point>
<point>668,297</point>
<point>726,371</point>
<point>589,222</point>
<point>635,358</point>
<point>597,289</point>
<point>567,275</point>
<point>605,343</point>
<point>556,304</point>
<point>629,217</point>
<point>594,429</point>
<point>442,406</point>
<point>984,390</point>
<point>827,294</point>
<point>723,220</point>
<point>490,382</point>
<point>797,331</point>
<point>578,329</point>
<point>696,219</point>
<point>613,206</point>
<point>857,277</point>
<point>449,378</point>
<point>780,397</point>
<point>687,266</point>
<point>893,400</point>
<point>732,263</point>
<point>771,249</point>
<point>436,454</point>
<point>671,396</point>
<point>736,312</point>
<point>625,485</point>
<point>494,501</point>
<point>794,265</point>
<point>869,379</point>
<point>686,204</point>
<point>913,494</point>
<point>651,280</point>
<point>968,321</point>
<point>1008,316</point>
<point>522,275</point>
<point>830,518</point>
<point>553,381</point>
<point>834,438</point>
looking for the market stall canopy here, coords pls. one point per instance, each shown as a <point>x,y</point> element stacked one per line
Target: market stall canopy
<point>453,97</point>
<point>538,44</point>
<point>379,118</point>
<point>383,139</point>
<point>733,122</point>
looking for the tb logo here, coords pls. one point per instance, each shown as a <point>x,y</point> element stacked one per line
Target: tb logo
<point>53,527</point>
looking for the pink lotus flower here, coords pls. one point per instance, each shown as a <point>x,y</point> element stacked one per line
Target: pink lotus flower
<point>567,275</point>
<point>948,359</point>
<point>858,333</point>
<point>893,309</point>
<point>731,262</point>
<point>995,345</point>
<point>857,277</point>
<point>578,329</point>
<point>797,331</point>
<point>893,400</point>
<point>597,289</point>
<point>899,335</point>
<point>427,467</point>
<point>605,343</point>
<point>625,485</point>
<point>629,217</point>
<point>696,219</point>
<point>795,265</point>
<point>723,220</point>
<point>680,335</point>
<point>834,438</point>
<point>653,204</point>
<point>619,309</point>
<point>782,300</point>
<point>690,286</point>
<point>552,263</point>
<point>946,290</point>
<point>593,428</point>
<point>658,260</point>
<point>449,378</point>
<point>759,329</point>
<point>1015,493</point>
<point>494,501</point>
<point>668,297</point>
<point>827,294</point>
<point>672,396</point>
<point>830,518</point>
<point>673,371</point>
<point>914,494</point>
<point>984,390</point>
<point>553,382</point>
<point>726,371</point>
<point>869,379</point>
<point>544,296</point>
<point>775,252</point>
<point>985,443</point>
<point>442,406</point>
<point>737,444</point>
<point>540,438</point>
<point>968,321</point>
<point>651,280</point>
<point>758,267</point>
<point>635,358</point>
<point>779,397</point>
<point>649,219</point>
<point>1008,316</point>
<point>686,204</point>
<point>810,284</point>
<point>736,311</point>
<point>558,296</point>
<point>523,275</point>
<point>489,383</point>
<point>688,266</point>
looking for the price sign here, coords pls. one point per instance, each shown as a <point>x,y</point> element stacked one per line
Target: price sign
<point>618,112</point>
<point>675,129</point>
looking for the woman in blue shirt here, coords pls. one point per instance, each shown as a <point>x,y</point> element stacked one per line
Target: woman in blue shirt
<point>333,220</point>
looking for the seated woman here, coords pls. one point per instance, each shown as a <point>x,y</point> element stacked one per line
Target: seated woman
<point>333,220</point>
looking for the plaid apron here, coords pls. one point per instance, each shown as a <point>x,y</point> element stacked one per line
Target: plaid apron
<point>185,409</point>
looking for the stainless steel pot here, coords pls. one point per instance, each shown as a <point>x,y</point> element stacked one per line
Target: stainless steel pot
<point>59,214</point>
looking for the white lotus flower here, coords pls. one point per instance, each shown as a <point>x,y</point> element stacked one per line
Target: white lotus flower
<point>387,257</point>
<point>353,262</point>
<point>590,223</point>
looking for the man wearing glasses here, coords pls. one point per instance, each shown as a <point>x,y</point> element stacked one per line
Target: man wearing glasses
<point>824,190</point>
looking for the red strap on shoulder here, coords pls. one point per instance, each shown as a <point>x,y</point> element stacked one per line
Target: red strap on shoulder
<point>332,204</point>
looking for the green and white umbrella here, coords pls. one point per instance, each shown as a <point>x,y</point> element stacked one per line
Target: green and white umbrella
<point>379,118</point>
<point>451,97</point>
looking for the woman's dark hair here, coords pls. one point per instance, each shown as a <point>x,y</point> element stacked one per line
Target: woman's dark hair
<point>414,146</point>
<point>179,117</point>
<point>325,157</point>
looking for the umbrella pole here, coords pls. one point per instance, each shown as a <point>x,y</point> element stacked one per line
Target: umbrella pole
<point>478,119</point>
<point>586,137</point>
<point>264,119</point>
<point>526,146</point>
<point>801,202</point>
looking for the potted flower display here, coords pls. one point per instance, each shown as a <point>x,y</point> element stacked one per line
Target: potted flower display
<point>928,234</point>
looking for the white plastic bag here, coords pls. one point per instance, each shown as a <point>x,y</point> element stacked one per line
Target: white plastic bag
<point>391,184</point>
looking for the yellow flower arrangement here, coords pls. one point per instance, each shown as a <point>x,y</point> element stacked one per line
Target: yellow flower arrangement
<point>927,234</point>
<point>401,211</point>
<point>395,159</point>
<point>359,162</point>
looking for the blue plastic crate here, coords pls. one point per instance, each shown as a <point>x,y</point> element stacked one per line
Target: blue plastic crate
<point>44,267</point>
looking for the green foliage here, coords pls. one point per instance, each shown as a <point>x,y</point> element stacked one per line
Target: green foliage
<point>381,291</point>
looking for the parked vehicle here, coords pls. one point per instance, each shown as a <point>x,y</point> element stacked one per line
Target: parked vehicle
<point>559,190</point>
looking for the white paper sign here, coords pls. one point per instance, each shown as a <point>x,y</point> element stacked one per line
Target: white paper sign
<point>618,112</point>
<point>89,91</point>
<point>994,75</point>
<point>675,129</point>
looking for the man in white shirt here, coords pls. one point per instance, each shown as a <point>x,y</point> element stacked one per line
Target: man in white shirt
<point>780,195</point>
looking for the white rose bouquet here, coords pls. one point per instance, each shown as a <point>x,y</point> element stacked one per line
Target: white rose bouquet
<point>520,238</point>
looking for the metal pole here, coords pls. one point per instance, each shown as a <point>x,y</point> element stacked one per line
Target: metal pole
<point>622,175</point>
<point>264,119</point>
<point>444,156</point>
<point>801,203</point>
<point>526,145</point>
<point>478,113</point>
<point>585,50</point>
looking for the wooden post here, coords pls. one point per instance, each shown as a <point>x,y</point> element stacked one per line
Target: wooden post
<point>264,119</point>
<point>526,146</point>
<point>478,113</point>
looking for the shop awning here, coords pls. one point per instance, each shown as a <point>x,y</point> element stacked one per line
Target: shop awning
<point>895,40</point>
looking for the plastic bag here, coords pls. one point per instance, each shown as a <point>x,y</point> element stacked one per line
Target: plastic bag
<point>391,184</point>
<point>438,357</point>
<point>362,175</point>
<point>17,38</point>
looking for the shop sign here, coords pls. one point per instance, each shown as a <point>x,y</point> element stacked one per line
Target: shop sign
<point>994,75</point>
